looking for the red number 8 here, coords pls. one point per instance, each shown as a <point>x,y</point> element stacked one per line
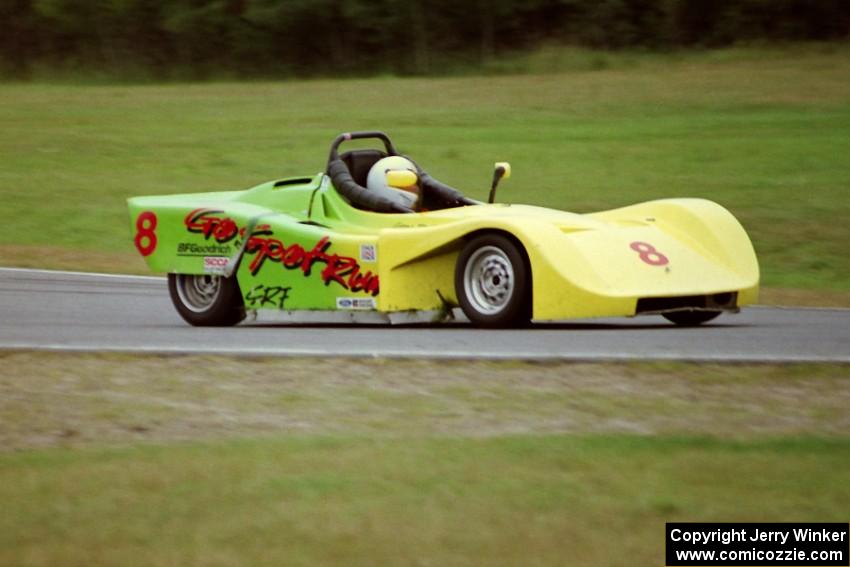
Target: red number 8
<point>649,254</point>
<point>146,237</point>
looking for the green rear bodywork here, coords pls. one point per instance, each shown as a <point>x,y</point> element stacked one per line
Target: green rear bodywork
<point>289,217</point>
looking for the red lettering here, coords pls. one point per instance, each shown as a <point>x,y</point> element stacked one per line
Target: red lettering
<point>342,270</point>
<point>338,267</point>
<point>363,282</point>
<point>204,222</point>
<point>315,255</point>
<point>266,248</point>
<point>374,286</point>
<point>225,230</point>
<point>293,256</point>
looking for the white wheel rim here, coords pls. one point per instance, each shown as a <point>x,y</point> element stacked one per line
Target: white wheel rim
<point>488,280</point>
<point>198,293</point>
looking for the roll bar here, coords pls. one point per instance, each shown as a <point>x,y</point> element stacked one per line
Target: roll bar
<point>361,196</point>
<point>361,136</point>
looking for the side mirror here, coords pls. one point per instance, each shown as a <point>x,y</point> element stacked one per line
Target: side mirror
<point>401,178</point>
<point>502,171</point>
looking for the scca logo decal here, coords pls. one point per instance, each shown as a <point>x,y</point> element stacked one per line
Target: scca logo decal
<point>214,264</point>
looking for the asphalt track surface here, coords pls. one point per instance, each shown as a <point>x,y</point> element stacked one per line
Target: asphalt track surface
<point>68,311</point>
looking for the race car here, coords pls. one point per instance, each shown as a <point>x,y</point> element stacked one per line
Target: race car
<point>375,238</point>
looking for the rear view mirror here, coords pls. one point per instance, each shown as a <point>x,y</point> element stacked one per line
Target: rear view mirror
<point>502,170</point>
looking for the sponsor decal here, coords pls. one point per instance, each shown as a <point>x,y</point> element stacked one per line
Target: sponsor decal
<point>192,249</point>
<point>267,296</point>
<point>357,303</point>
<point>340,270</point>
<point>208,223</point>
<point>368,253</point>
<point>214,264</point>
<point>212,225</point>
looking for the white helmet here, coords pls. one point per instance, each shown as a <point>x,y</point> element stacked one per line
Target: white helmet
<point>377,181</point>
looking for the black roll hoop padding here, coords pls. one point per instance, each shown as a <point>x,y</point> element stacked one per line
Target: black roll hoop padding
<point>361,196</point>
<point>360,136</point>
<point>445,193</point>
<point>350,189</point>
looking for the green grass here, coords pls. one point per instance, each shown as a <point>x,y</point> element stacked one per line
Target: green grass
<point>83,400</point>
<point>191,460</point>
<point>764,132</point>
<point>522,500</point>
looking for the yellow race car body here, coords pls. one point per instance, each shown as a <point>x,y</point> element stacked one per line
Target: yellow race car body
<point>300,245</point>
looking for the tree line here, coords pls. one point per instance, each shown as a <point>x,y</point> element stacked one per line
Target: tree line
<point>279,38</point>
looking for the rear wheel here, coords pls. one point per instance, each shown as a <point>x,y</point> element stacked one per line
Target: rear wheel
<point>690,318</point>
<point>206,300</point>
<point>492,282</point>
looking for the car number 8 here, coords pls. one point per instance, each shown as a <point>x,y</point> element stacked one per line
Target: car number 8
<point>649,254</point>
<point>145,236</point>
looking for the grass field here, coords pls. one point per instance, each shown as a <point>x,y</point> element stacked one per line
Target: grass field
<point>118,460</point>
<point>163,461</point>
<point>764,132</point>
<point>519,500</point>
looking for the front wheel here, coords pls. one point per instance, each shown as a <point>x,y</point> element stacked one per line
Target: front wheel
<point>690,318</point>
<point>206,301</point>
<point>493,283</point>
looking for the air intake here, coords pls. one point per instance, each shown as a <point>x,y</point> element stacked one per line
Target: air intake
<point>727,301</point>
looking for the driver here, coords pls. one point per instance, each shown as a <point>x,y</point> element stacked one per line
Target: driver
<point>410,196</point>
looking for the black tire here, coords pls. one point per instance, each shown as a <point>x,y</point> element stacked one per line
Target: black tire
<point>690,318</point>
<point>206,300</point>
<point>493,282</point>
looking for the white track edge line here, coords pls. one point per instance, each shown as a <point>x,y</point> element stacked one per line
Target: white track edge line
<point>441,355</point>
<point>85,274</point>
